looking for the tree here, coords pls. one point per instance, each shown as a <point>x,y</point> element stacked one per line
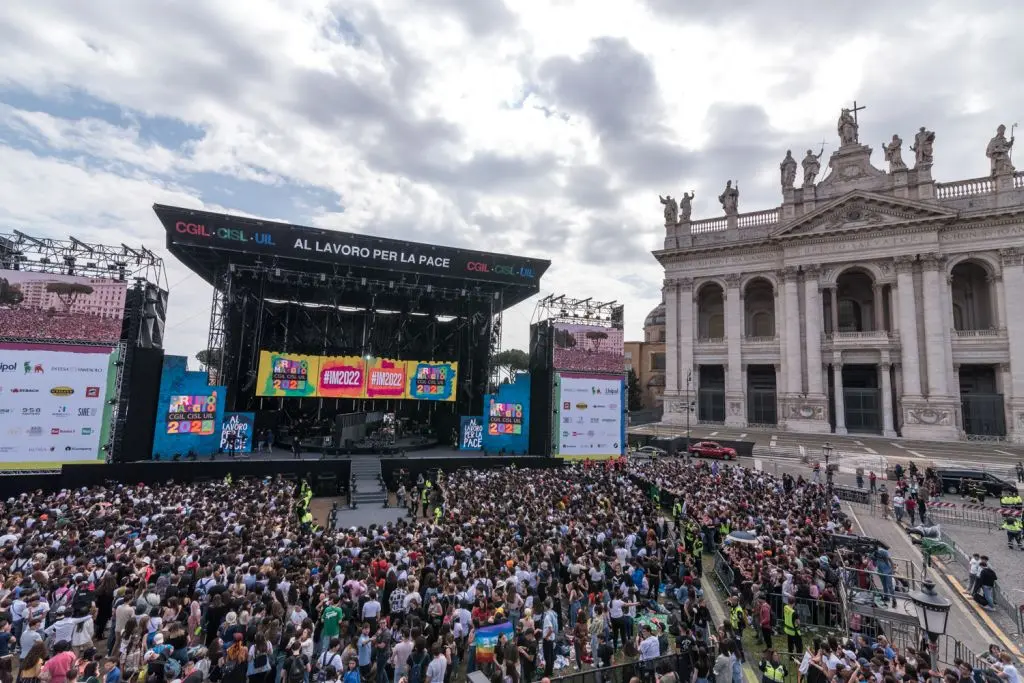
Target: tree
<point>509,362</point>
<point>68,292</point>
<point>10,294</point>
<point>596,337</point>
<point>633,391</point>
<point>208,357</point>
<point>564,339</point>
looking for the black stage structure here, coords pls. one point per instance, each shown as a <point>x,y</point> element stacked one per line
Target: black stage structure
<point>296,289</point>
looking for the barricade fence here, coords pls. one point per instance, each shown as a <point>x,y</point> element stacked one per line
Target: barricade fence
<point>622,673</point>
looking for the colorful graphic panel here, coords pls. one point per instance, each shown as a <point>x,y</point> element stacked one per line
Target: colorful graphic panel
<point>241,425</point>
<point>590,416</point>
<point>287,374</point>
<point>192,414</point>
<point>432,381</point>
<point>386,378</point>
<point>342,377</point>
<point>507,418</point>
<point>52,404</point>
<point>471,433</point>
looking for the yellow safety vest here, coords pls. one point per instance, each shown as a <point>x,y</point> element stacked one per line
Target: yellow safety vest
<point>737,617</point>
<point>788,621</point>
<point>773,673</point>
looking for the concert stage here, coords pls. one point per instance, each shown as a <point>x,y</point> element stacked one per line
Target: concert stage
<point>369,301</point>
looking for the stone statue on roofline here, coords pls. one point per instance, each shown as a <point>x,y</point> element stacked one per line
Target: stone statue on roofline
<point>787,170</point>
<point>671,209</point>
<point>998,152</point>
<point>730,198</point>
<point>686,207</point>
<point>848,128</point>
<point>812,165</point>
<point>894,154</point>
<point>922,148</point>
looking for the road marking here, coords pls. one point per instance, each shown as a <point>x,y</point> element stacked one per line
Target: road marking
<point>713,434</point>
<point>893,443</point>
<point>981,612</point>
<point>1004,452</point>
<point>854,515</point>
<point>743,435</point>
<point>872,451</point>
<point>915,454</point>
<point>859,443</point>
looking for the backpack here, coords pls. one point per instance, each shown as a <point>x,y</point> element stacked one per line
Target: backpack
<point>296,669</point>
<point>417,668</point>
<point>172,669</point>
<point>325,660</point>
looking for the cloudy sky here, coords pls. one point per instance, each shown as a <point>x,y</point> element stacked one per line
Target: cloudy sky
<point>538,127</point>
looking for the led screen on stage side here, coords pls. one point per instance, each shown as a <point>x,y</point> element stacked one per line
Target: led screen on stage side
<point>52,405</point>
<point>432,381</point>
<point>386,378</point>
<point>588,348</point>
<point>192,414</point>
<point>505,418</point>
<point>342,377</point>
<point>287,374</point>
<point>51,308</point>
<point>590,416</point>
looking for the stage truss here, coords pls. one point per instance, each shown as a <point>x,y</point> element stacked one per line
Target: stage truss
<point>563,309</point>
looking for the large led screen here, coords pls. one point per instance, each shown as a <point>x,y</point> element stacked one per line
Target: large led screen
<point>588,348</point>
<point>53,405</point>
<point>287,374</point>
<point>44,307</point>
<point>590,416</point>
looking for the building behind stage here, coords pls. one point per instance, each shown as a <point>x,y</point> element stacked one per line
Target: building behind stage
<point>646,359</point>
<point>871,301</point>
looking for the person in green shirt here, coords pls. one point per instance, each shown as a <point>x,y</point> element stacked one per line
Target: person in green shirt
<point>330,622</point>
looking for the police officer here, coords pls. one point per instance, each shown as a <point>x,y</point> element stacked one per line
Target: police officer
<point>771,668</point>
<point>1013,527</point>
<point>1009,500</point>
<point>737,617</point>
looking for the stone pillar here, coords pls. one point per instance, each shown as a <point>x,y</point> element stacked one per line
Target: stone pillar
<point>685,331</point>
<point>1013,280</point>
<point>837,379</point>
<point>834,291</point>
<point>812,320</point>
<point>886,385</point>
<point>735,406</point>
<point>670,295</point>
<point>998,295</point>
<point>877,307</point>
<point>1006,389</point>
<point>907,326</point>
<point>934,327</point>
<point>792,332</point>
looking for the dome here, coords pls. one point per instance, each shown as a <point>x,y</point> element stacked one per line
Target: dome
<point>655,317</point>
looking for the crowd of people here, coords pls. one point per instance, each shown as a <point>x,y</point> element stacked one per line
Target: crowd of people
<point>20,323</point>
<point>576,567</point>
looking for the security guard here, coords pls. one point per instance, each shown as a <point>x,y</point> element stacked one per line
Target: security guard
<point>437,515</point>
<point>737,617</point>
<point>771,668</point>
<point>791,627</point>
<point>1013,528</point>
<point>425,498</point>
<point>677,511</point>
<point>1009,500</point>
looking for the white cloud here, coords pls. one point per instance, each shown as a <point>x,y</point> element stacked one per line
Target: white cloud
<point>542,127</point>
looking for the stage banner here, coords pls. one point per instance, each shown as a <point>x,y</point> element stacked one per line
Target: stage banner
<point>241,425</point>
<point>342,377</point>
<point>471,433</point>
<point>386,378</point>
<point>287,374</point>
<point>486,641</point>
<point>591,417</point>
<point>431,380</point>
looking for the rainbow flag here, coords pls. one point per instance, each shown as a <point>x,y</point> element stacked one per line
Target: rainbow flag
<point>487,640</point>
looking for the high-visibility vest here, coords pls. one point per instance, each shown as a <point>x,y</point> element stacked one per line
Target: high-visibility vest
<point>677,509</point>
<point>789,621</point>
<point>423,496</point>
<point>307,518</point>
<point>1006,500</point>
<point>437,514</point>
<point>698,547</point>
<point>723,528</point>
<point>773,673</point>
<point>737,618</point>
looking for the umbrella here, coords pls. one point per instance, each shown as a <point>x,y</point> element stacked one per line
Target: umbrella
<point>742,537</point>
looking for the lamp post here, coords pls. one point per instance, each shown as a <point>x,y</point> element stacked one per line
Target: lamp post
<point>826,451</point>
<point>932,611</point>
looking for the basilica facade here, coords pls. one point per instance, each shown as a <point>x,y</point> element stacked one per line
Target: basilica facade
<point>872,301</point>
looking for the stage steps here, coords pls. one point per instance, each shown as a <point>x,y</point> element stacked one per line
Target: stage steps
<point>367,474</point>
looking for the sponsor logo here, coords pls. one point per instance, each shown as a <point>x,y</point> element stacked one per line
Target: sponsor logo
<point>613,406</point>
<point>86,431</point>
<point>581,406</point>
<point>62,391</point>
<point>92,392</point>
<point>18,390</point>
<point>202,230</point>
<point>566,405</point>
<point>75,448</point>
<point>609,419</point>
<point>56,431</point>
<point>39,449</point>
<point>73,368</point>
<point>31,412</point>
<point>8,367</point>
<point>499,269</point>
<point>565,434</point>
<point>60,412</point>
<point>5,411</point>
<point>14,431</point>
<point>35,431</point>
<point>33,369</point>
<point>86,412</point>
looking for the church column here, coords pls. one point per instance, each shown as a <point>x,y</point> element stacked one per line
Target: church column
<point>687,331</point>
<point>934,327</point>
<point>792,331</point>
<point>837,379</point>
<point>670,294</point>
<point>735,413</point>
<point>998,294</point>
<point>907,326</point>
<point>877,307</point>
<point>812,320</point>
<point>781,387</point>
<point>1013,280</point>
<point>886,384</point>
<point>834,292</point>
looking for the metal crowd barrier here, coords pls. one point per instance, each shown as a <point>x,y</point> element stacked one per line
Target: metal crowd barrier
<point>622,673</point>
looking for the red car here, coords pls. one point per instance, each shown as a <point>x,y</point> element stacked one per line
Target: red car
<point>710,449</point>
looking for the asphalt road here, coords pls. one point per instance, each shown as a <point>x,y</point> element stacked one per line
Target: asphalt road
<point>867,451</point>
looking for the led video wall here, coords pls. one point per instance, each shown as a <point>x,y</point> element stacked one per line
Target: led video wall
<point>289,374</point>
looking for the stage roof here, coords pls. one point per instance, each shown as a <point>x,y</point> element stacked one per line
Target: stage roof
<point>209,242</point>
